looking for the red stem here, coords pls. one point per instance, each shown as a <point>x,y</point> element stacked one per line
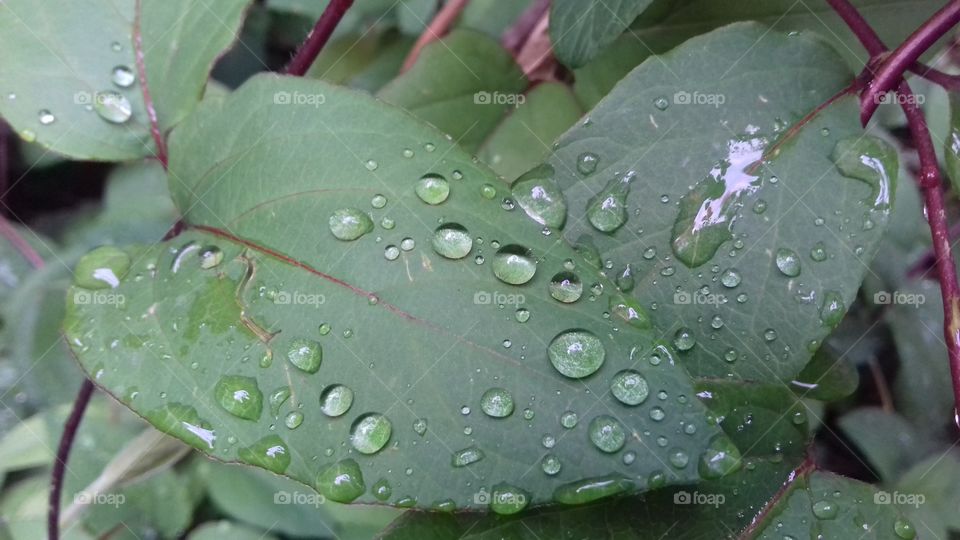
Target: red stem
<point>63,452</point>
<point>951,83</point>
<point>437,28</point>
<point>929,180</point>
<point>318,37</point>
<point>900,60</point>
<point>145,88</point>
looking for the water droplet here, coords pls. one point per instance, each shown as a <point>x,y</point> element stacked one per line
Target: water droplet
<point>507,499</point>
<point>870,160</point>
<point>467,456</point>
<point>730,278</point>
<point>576,353</point>
<point>550,464</point>
<point>341,482</point>
<point>371,165</point>
<point>28,135</point>
<point>522,315</point>
<point>824,510</point>
<point>382,490</point>
<point>832,310</point>
<point>661,103</point>
<point>46,117</point>
<point>540,198</point>
<point>293,420</point>
<point>719,459</point>
<point>569,419</point>
<point>407,244</point>
<point>112,106</point>
<point>513,264</point>
<point>628,309</point>
<point>819,252</point>
<point>684,340</point>
<point>607,212</point>
<point>591,489</point>
<point>625,281</point>
<point>387,223</point>
<point>335,400</point>
<point>607,433</point>
<point>370,433</point>
<point>391,252</point>
<point>210,257</point>
<point>277,398</point>
<point>678,458</point>
<point>904,529</point>
<point>657,414</point>
<point>587,163</point>
<point>528,414</point>
<point>497,402</point>
<point>407,153</point>
<point>183,422</point>
<point>566,287</point>
<point>239,396</point>
<point>788,262</point>
<point>629,387</point>
<point>769,334</point>
<point>487,191</point>
<point>420,426</point>
<point>102,268</point>
<point>452,241</point>
<point>378,201</point>
<point>305,354</point>
<point>350,223</point>
<point>116,46</point>
<point>432,189</point>
<point>269,452</point>
<point>122,76</point>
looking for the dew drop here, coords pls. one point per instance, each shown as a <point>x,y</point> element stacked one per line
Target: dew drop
<point>305,354</point>
<point>239,396</point>
<point>683,339</point>
<point>788,262</point>
<point>467,456</point>
<point>550,464</point>
<point>122,76</point>
<point>629,387</point>
<point>497,403</point>
<point>341,482</point>
<point>452,241</point>
<point>566,287</point>
<point>335,400</point>
<point>587,163</point>
<point>432,189</point>
<point>607,212</point>
<point>370,433</point>
<point>540,198</point>
<point>576,353</point>
<point>607,433</point>
<point>46,117</point>
<point>112,106</point>
<point>350,223</point>
<point>513,264</point>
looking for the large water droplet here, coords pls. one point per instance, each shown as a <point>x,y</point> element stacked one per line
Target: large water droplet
<point>102,268</point>
<point>335,400</point>
<point>684,340</point>
<point>350,223</point>
<point>607,212</point>
<point>870,160</point>
<point>788,262</point>
<point>507,499</point>
<point>607,433</point>
<point>825,509</point>
<point>540,198</point>
<point>629,387</point>
<point>497,402</point>
<point>305,354</point>
<point>370,433</point>
<point>112,106</point>
<point>452,241</point>
<point>269,452</point>
<point>576,353</point>
<point>341,482</point>
<point>832,310</point>
<point>566,287</point>
<point>587,163</point>
<point>904,529</point>
<point>467,456</point>
<point>513,264</point>
<point>239,396</point>
<point>432,189</point>
<point>720,458</point>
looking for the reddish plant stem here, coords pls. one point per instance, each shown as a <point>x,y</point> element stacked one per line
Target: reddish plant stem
<point>21,245</point>
<point>929,180</point>
<point>437,28</point>
<point>891,71</point>
<point>517,35</point>
<point>318,37</point>
<point>63,452</point>
<point>951,83</point>
<point>796,475</point>
<point>145,87</point>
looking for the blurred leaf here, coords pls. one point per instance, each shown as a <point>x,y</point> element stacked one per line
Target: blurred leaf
<point>228,530</point>
<point>887,440</point>
<point>827,377</point>
<point>929,492</point>
<point>492,17</point>
<point>28,444</point>
<point>463,84</point>
<point>579,29</point>
<point>63,58</point>
<point>522,141</point>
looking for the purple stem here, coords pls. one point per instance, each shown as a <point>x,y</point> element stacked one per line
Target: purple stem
<point>318,37</point>
<point>63,452</point>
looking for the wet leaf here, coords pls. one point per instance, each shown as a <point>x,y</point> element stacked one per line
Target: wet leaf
<point>285,304</point>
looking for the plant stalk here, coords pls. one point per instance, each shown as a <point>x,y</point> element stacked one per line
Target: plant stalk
<point>318,37</point>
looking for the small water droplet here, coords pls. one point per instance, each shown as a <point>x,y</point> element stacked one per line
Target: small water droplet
<point>684,340</point>
<point>587,163</point>
<point>569,419</point>
<point>112,106</point>
<point>46,117</point>
<point>514,265</point>
<point>566,287</point>
<point>788,262</point>
<point>452,241</point>
<point>335,400</point>
<point>239,396</point>
<point>122,76</point>
<point>350,223</point>
<point>305,354</point>
<point>497,403</point>
<point>432,189</point>
<point>370,433</point>
<point>629,387</point>
<point>607,433</point>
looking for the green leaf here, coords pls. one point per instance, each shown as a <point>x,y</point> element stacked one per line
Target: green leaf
<point>491,17</point>
<point>63,61</point>
<point>579,30</point>
<point>260,288</point>
<point>829,376</point>
<point>463,84</point>
<point>887,440</point>
<point>892,19</point>
<point>708,184</point>
<point>228,530</point>
<point>523,139</point>
<point>927,494</point>
<point>825,505</point>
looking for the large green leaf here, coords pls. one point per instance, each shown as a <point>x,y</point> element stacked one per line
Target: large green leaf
<point>64,60</point>
<point>708,184</point>
<point>462,84</point>
<point>580,29</point>
<point>220,317</point>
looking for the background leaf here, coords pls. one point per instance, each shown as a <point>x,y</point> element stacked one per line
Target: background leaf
<point>579,30</point>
